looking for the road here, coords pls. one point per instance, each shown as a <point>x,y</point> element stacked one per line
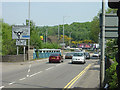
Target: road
<point>37,74</point>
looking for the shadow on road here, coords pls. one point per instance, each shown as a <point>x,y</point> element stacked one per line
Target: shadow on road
<point>75,63</point>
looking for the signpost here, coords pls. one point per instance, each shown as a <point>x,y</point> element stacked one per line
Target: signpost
<point>20,42</point>
<point>20,32</point>
<point>109,29</point>
<point>111,25</point>
<point>115,4</point>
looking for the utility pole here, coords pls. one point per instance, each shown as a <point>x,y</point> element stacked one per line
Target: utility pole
<point>58,33</point>
<point>29,27</point>
<point>102,61</point>
<point>70,39</point>
<point>46,35</point>
<point>63,29</point>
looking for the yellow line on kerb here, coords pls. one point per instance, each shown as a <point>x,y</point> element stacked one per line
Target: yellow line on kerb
<point>77,77</point>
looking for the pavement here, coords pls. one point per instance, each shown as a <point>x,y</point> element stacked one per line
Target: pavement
<point>92,77</point>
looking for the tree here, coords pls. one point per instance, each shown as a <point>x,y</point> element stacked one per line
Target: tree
<point>8,45</point>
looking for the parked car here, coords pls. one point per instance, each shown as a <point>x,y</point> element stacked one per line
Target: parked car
<point>55,58</point>
<point>78,57</point>
<point>96,54</point>
<point>87,55</point>
<point>69,55</point>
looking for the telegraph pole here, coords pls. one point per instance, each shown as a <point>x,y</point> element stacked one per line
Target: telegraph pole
<point>63,29</point>
<point>46,35</point>
<point>70,39</point>
<point>58,33</point>
<point>102,61</point>
<point>29,27</point>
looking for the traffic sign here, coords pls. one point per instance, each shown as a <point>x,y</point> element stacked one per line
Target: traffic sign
<point>111,25</point>
<point>113,3</point>
<point>20,42</point>
<point>20,32</point>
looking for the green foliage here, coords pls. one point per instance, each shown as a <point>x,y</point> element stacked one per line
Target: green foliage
<point>51,45</point>
<point>111,48</point>
<point>35,40</point>
<point>8,45</point>
<point>109,10</point>
<point>111,75</point>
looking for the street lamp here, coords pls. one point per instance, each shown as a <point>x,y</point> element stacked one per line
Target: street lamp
<point>29,27</point>
<point>63,27</point>
<point>70,39</point>
<point>58,33</point>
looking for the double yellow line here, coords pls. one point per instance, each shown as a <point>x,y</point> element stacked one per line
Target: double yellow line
<point>77,77</point>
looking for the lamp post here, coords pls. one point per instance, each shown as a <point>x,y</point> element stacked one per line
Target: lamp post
<point>63,27</point>
<point>58,33</point>
<point>70,39</point>
<point>29,27</point>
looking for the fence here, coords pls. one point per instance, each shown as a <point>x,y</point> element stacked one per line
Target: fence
<point>44,53</point>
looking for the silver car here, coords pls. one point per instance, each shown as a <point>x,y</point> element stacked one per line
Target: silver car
<point>78,57</point>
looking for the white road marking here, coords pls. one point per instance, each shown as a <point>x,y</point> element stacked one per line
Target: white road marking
<point>35,74</point>
<point>27,75</point>
<point>58,65</point>
<point>49,68</point>
<point>2,87</point>
<point>28,70</point>
<point>22,78</point>
<point>11,83</point>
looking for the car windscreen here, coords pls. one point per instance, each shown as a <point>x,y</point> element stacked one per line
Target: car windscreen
<point>86,53</point>
<point>78,54</point>
<point>54,55</point>
<point>72,53</point>
<point>68,54</point>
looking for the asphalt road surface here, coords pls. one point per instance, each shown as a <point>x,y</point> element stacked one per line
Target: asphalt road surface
<point>39,74</point>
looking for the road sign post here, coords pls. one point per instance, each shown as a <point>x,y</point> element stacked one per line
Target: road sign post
<point>115,4</point>
<point>17,50</point>
<point>20,32</point>
<point>111,25</point>
<point>20,42</point>
<point>102,61</point>
<point>24,53</point>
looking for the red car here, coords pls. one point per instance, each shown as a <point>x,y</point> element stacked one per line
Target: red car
<point>55,58</point>
<point>68,55</point>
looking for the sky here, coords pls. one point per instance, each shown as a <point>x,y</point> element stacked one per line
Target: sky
<point>49,13</point>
